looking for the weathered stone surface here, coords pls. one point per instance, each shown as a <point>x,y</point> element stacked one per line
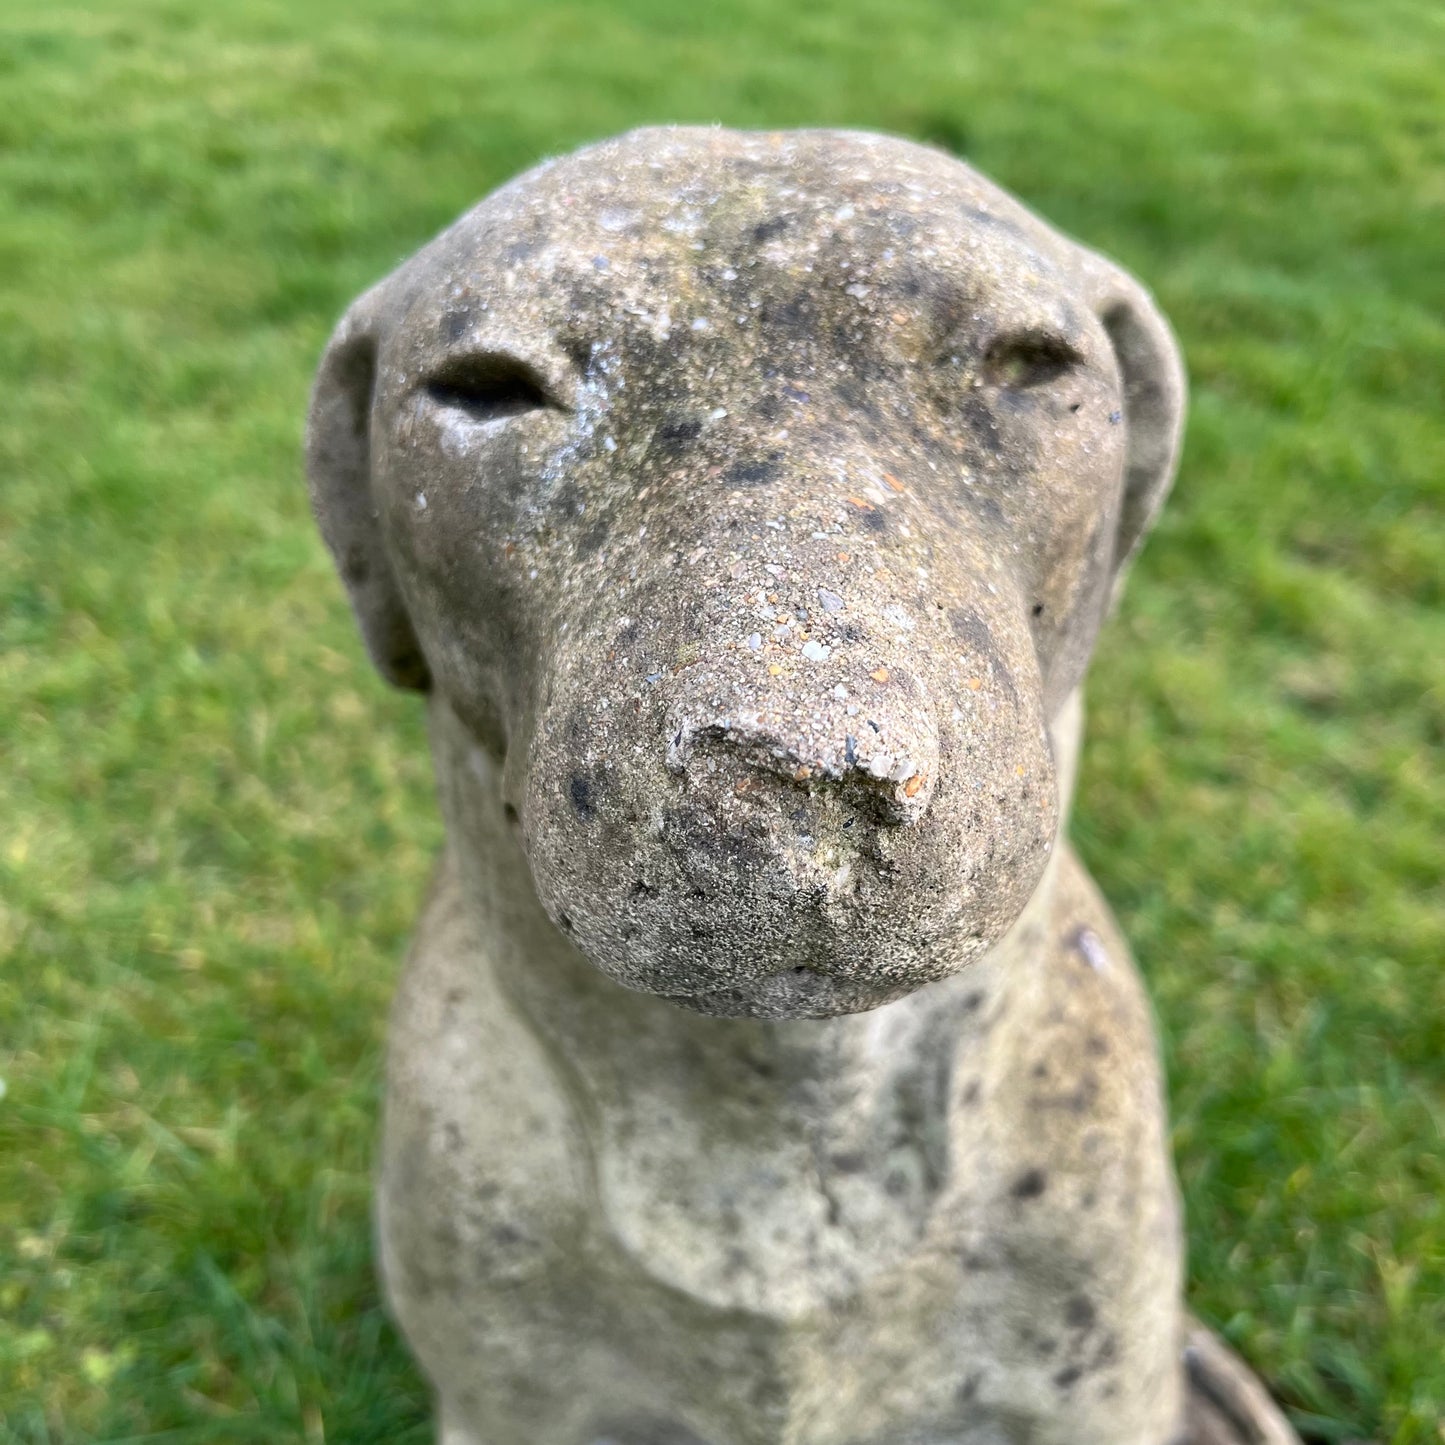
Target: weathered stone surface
<point>747,507</point>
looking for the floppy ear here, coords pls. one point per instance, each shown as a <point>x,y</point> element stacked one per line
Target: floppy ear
<point>1155,391</point>
<point>338,468</point>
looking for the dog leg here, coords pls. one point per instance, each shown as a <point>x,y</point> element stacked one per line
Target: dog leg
<point>451,1432</point>
<point>1227,1405</point>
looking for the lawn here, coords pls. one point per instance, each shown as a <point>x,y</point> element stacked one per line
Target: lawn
<point>216,824</point>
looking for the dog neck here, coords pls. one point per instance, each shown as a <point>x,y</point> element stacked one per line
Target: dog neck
<point>617,1039</point>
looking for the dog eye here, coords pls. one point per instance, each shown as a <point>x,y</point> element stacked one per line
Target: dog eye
<point>488,388</point>
<point>1033,359</point>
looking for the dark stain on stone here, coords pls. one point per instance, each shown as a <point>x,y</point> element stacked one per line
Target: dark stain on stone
<point>592,539</point>
<point>581,355</point>
<point>455,324</point>
<point>568,500</point>
<point>982,425</point>
<point>1030,1184</point>
<point>691,829</point>
<point>797,316</point>
<point>674,432</point>
<point>854,395</point>
<point>948,308</point>
<point>974,216</point>
<point>355,569</point>
<point>522,250</point>
<point>972,631</point>
<point>986,505</point>
<point>1078,1100</point>
<point>1079,1312</point>
<point>766,230</point>
<point>1066,1378</point>
<point>581,791</point>
<point>1005,679</point>
<point>752,474</point>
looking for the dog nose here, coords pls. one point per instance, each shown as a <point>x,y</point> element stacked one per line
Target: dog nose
<point>883,761</point>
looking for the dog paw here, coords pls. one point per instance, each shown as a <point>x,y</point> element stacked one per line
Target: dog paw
<point>1226,1404</point>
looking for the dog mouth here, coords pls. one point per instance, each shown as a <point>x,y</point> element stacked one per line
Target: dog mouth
<point>734,887</point>
<point>791,993</point>
<point>774,901</point>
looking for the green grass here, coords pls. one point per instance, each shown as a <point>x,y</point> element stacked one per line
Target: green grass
<point>215,824</point>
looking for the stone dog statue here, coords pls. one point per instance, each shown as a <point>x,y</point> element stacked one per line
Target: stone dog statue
<point>767,1070</point>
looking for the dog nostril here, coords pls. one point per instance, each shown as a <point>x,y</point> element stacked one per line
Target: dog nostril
<point>887,779</point>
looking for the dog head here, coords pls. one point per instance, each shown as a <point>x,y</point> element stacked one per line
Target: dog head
<point>758,498</point>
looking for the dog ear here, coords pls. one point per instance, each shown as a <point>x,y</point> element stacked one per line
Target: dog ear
<point>338,470</point>
<point>1155,391</point>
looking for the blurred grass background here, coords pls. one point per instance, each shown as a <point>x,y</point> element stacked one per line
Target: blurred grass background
<point>215,824</point>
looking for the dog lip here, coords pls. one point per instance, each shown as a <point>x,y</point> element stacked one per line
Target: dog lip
<point>799,992</point>
<point>751,985</point>
<point>793,978</point>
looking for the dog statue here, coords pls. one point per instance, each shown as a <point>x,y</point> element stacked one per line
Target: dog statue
<point>767,1069</point>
